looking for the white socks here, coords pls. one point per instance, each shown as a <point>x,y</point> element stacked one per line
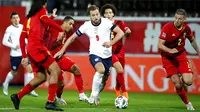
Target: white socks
<point>28,77</point>
<point>9,77</point>
<point>97,79</point>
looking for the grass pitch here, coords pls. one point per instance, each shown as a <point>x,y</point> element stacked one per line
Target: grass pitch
<point>138,102</point>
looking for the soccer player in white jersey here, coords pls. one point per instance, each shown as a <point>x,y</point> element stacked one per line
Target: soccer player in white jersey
<point>99,32</point>
<point>11,40</point>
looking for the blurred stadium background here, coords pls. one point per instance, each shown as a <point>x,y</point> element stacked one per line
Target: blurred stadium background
<point>145,18</point>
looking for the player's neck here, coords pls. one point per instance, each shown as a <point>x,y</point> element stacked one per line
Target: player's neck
<point>96,24</point>
<point>16,25</point>
<point>178,27</point>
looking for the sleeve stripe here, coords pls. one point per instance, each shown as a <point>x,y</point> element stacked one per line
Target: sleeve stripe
<point>113,27</point>
<point>24,31</point>
<point>78,32</point>
<point>42,16</point>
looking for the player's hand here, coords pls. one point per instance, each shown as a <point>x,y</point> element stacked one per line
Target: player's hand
<point>173,51</point>
<point>54,13</point>
<point>127,32</point>
<point>60,36</point>
<point>24,62</point>
<point>107,44</point>
<point>17,46</point>
<point>59,54</point>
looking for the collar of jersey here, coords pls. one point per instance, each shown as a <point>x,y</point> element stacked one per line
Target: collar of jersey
<point>96,24</point>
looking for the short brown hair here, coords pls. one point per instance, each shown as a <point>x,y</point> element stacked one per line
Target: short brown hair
<point>181,12</point>
<point>92,8</point>
<point>12,14</point>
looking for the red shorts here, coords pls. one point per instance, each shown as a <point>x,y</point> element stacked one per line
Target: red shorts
<point>65,63</point>
<point>40,59</point>
<point>176,64</point>
<point>120,58</point>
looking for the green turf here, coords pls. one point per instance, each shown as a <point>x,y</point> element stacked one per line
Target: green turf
<point>138,102</point>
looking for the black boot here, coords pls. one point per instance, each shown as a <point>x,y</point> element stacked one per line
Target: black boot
<point>52,106</point>
<point>15,100</point>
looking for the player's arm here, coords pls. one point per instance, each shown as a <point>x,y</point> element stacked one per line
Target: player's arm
<point>195,45</point>
<point>67,43</point>
<point>6,41</point>
<point>47,21</point>
<point>23,43</point>
<point>118,36</point>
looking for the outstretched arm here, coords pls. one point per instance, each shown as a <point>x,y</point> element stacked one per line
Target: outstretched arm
<point>195,45</point>
<point>67,43</point>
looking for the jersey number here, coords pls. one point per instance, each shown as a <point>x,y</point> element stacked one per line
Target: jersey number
<point>179,42</point>
<point>97,37</point>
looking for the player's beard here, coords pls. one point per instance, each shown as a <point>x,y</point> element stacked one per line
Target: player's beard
<point>96,21</point>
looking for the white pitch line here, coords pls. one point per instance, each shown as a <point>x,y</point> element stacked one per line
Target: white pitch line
<point>30,108</point>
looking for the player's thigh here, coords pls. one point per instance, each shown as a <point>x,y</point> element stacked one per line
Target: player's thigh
<point>15,62</point>
<point>176,80</point>
<point>107,64</point>
<point>65,63</point>
<point>29,68</point>
<point>118,67</point>
<point>186,71</point>
<point>97,63</point>
<point>40,78</point>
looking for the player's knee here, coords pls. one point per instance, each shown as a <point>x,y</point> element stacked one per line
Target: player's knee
<point>120,69</point>
<point>178,85</point>
<point>101,70</point>
<point>14,72</point>
<point>188,82</point>
<point>75,70</point>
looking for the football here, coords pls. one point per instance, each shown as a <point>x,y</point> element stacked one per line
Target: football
<point>121,102</point>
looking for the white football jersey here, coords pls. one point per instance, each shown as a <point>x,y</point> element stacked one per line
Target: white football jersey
<point>98,34</point>
<point>11,39</point>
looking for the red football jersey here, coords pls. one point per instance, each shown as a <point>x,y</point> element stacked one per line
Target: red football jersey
<point>175,38</point>
<point>36,26</point>
<point>118,45</point>
<point>50,40</point>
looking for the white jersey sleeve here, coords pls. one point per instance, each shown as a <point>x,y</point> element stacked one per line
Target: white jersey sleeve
<point>81,29</point>
<point>110,24</point>
<point>7,39</point>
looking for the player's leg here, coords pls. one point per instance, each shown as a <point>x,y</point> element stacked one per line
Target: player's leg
<point>68,65</point>
<point>28,77</point>
<point>59,90</point>
<point>15,62</point>
<point>97,79</point>
<point>187,78</point>
<point>39,79</point>
<point>121,58</point>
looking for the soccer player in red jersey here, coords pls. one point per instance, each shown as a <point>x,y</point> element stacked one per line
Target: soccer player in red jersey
<point>118,57</point>
<point>64,62</point>
<point>172,42</point>
<point>40,58</point>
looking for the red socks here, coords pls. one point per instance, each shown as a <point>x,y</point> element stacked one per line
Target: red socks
<point>79,83</point>
<point>182,94</point>
<point>52,92</point>
<point>120,82</point>
<point>59,91</point>
<point>27,89</point>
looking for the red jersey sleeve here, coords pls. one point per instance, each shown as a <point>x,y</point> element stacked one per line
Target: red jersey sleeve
<point>22,41</point>
<point>47,21</point>
<point>189,32</point>
<point>164,32</point>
